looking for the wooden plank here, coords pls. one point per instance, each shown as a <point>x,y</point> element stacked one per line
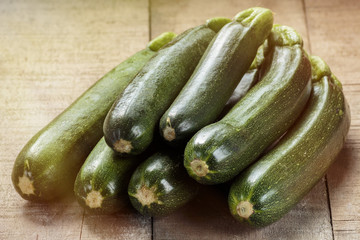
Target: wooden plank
<point>178,16</point>
<point>334,32</point>
<point>332,3</point>
<point>125,225</point>
<point>208,216</point>
<point>50,52</point>
<point>334,36</point>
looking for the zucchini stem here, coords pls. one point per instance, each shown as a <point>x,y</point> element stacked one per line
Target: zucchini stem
<point>94,199</point>
<point>123,146</point>
<point>26,185</point>
<point>217,23</point>
<point>169,132</point>
<point>160,41</point>
<point>245,209</point>
<point>199,167</point>
<point>146,196</point>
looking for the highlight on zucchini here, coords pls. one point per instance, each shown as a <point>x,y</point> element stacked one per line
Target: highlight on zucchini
<point>160,185</point>
<point>101,184</point>
<point>279,180</point>
<point>130,124</point>
<point>220,151</point>
<point>47,166</point>
<point>219,71</point>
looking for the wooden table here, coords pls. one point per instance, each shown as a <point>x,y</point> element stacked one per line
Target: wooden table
<point>52,51</point>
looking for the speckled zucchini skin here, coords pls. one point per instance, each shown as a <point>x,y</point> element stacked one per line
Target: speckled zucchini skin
<point>101,184</point>
<point>226,60</point>
<point>249,79</point>
<point>226,147</point>
<point>133,117</point>
<point>165,175</point>
<point>48,164</point>
<point>281,178</point>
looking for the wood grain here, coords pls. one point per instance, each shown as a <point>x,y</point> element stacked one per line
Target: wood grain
<point>125,225</point>
<point>208,217</point>
<point>51,52</point>
<point>334,32</point>
<point>178,16</point>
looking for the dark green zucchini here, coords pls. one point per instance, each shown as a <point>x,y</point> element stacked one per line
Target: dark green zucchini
<point>160,185</point>
<point>249,79</point>
<point>279,180</point>
<point>226,60</point>
<point>47,166</point>
<point>130,124</point>
<point>218,152</point>
<point>101,184</point>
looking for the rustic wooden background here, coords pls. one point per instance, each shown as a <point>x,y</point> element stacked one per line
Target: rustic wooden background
<point>52,51</point>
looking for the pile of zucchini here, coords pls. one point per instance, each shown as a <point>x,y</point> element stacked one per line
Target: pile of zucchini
<point>235,101</point>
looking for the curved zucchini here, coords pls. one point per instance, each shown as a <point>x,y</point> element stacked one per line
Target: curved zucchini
<point>160,185</point>
<point>218,152</point>
<point>226,60</point>
<point>129,125</point>
<point>249,79</point>
<point>280,179</point>
<point>47,166</point>
<point>101,184</point>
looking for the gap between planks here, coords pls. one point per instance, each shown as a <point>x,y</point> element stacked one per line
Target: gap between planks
<point>149,19</point>
<point>82,223</point>
<point>326,180</point>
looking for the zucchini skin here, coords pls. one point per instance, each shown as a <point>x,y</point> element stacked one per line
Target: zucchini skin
<point>101,184</point>
<point>281,178</point>
<point>130,124</point>
<point>220,151</point>
<point>48,164</point>
<point>162,184</point>
<point>225,61</point>
<point>249,79</point>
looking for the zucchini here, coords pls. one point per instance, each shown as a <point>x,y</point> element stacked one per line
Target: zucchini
<point>226,60</point>
<point>279,180</point>
<point>160,185</point>
<point>101,184</point>
<point>249,79</point>
<point>130,124</point>
<point>47,166</point>
<point>220,151</point>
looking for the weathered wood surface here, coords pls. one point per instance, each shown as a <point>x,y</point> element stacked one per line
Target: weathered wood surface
<point>334,28</point>
<point>52,51</point>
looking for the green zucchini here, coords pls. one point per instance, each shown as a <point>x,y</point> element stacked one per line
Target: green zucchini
<point>101,184</point>
<point>130,124</point>
<point>249,79</point>
<point>226,60</point>
<point>279,180</point>
<point>220,151</point>
<point>160,185</point>
<point>47,166</point>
